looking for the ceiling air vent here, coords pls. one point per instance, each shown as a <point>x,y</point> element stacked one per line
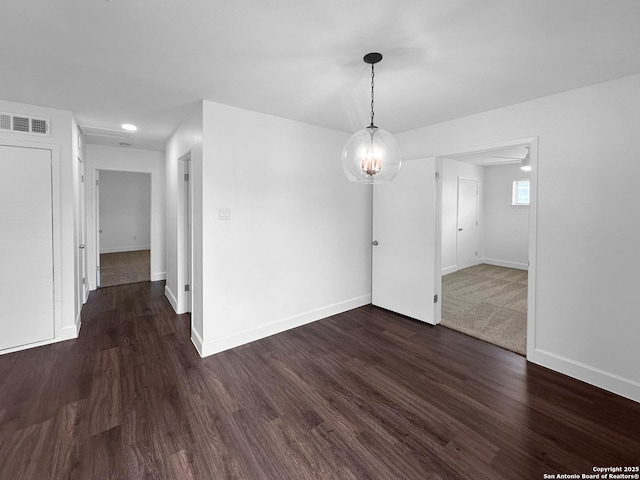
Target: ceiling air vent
<point>23,124</point>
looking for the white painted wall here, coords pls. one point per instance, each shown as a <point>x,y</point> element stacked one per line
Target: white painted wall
<point>586,267</point>
<point>297,246</point>
<point>61,141</point>
<point>187,138</point>
<point>125,211</point>
<point>505,236</point>
<point>100,157</point>
<point>450,171</point>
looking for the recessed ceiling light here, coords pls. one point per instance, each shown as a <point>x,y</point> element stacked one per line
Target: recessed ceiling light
<point>129,127</point>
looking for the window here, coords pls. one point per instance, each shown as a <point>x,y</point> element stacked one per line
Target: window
<point>520,194</point>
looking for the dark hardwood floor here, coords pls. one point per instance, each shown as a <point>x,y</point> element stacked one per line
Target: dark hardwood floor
<point>362,395</point>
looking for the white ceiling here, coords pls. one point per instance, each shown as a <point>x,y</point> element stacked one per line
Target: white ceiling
<point>148,61</point>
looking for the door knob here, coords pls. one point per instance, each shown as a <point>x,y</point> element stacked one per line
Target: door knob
<point>459,229</point>
<point>81,246</point>
<point>374,243</point>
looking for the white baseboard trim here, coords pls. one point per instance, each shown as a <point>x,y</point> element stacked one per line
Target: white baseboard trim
<point>451,269</point>
<point>78,323</point>
<point>155,277</point>
<point>171,297</point>
<point>503,263</point>
<point>196,339</point>
<point>611,382</point>
<point>70,331</point>
<point>66,333</point>
<point>279,326</point>
<point>131,248</point>
<point>30,345</point>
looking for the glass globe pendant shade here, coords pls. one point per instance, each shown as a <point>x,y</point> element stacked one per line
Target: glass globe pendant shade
<point>371,155</point>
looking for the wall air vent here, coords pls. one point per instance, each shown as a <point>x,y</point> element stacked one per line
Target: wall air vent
<point>5,121</point>
<point>10,122</point>
<point>39,126</point>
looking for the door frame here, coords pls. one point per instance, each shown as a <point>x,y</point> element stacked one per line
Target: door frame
<point>59,332</point>
<point>532,143</point>
<point>96,223</point>
<point>184,300</point>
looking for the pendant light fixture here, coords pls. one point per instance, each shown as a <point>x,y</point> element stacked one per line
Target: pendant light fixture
<point>371,155</point>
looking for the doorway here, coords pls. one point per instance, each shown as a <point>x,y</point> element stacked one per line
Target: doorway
<point>123,207</point>
<point>486,278</point>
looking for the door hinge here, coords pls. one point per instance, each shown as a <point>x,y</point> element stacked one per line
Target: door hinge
<point>435,298</point>
<point>186,288</point>
<point>476,254</point>
<point>82,178</point>
<point>84,280</point>
<point>97,182</point>
<point>186,177</point>
<point>437,175</point>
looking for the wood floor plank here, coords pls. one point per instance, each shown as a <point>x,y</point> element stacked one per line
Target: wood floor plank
<point>366,394</point>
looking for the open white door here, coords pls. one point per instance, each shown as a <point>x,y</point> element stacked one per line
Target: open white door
<point>83,289</point>
<point>404,228</point>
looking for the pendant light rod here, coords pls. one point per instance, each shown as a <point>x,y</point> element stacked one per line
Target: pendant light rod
<point>372,58</point>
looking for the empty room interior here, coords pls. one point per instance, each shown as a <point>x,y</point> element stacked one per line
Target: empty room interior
<point>124,227</point>
<point>319,240</point>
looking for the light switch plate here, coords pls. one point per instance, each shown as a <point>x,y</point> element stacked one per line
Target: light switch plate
<point>224,214</point>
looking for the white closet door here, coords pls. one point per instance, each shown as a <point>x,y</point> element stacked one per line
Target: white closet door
<point>26,246</point>
<point>467,245</point>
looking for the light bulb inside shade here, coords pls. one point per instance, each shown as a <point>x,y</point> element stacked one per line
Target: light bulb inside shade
<point>371,155</point>
<point>129,127</point>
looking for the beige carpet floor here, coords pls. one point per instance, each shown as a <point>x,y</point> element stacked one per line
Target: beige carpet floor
<point>124,267</point>
<point>489,303</point>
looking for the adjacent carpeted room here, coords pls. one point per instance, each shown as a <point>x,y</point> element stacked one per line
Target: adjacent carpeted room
<point>487,302</point>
